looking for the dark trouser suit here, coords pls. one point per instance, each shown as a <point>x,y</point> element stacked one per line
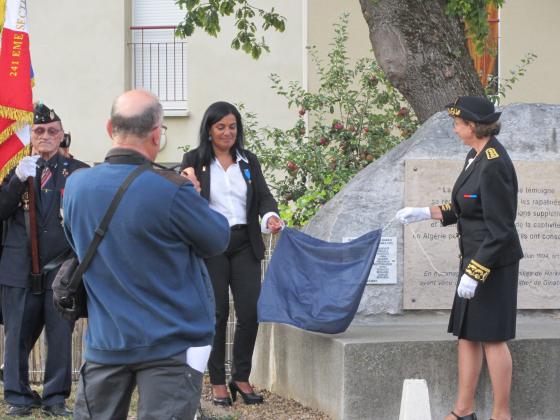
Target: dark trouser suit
<point>239,269</point>
<point>25,315</point>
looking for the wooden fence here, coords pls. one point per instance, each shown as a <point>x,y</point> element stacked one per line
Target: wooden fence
<point>38,354</point>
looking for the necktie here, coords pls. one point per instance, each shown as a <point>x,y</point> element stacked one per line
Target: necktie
<point>45,176</point>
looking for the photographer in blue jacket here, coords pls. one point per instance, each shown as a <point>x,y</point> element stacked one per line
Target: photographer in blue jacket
<point>150,301</point>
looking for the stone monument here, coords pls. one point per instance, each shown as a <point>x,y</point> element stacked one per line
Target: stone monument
<point>400,329</point>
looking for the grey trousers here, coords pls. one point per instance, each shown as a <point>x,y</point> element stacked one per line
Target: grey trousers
<point>167,389</point>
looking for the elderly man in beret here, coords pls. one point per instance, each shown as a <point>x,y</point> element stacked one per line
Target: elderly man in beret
<point>27,310</point>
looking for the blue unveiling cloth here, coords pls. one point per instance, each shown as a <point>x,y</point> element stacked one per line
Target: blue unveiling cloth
<point>316,285</point>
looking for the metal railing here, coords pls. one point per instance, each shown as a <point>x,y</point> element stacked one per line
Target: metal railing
<point>159,63</point>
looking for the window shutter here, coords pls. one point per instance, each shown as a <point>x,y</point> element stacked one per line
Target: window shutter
<point>159,59</point>
<point>486,64</point>
<point>156,13</point>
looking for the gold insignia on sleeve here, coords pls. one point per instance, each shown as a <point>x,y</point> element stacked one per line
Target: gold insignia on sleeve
<point>491,153</point>
<point>477,271</point>
<point>445,207</point>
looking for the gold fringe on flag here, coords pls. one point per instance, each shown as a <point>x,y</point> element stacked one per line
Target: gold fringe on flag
<point>16,114</point>
<point>2,13</point>
<point>14,128</point>
<point>12,163</point>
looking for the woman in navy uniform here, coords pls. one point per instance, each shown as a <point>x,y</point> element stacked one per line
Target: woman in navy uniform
<point>232,181</point>
<point>483,205</point>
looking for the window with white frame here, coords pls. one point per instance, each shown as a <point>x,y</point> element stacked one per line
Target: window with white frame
<point>158,57</point>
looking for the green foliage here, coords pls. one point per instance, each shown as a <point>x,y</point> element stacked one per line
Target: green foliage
<point>496,88</point>
<point>355,116</point>
<point>475,15</point>
<point>207,16</point>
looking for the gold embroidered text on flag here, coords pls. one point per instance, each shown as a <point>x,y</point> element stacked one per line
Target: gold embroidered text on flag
<point>16,102</point>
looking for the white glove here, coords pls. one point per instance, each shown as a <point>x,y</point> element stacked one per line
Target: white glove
<point>27,167</point>
<point>413,214</point>
<point>467,286</point>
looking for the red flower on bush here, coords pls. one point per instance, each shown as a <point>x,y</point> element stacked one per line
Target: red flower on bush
<point>292,166</point>
<point>403,112</point>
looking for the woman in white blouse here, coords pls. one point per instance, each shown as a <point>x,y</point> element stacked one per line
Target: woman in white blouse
<point>230,177</point>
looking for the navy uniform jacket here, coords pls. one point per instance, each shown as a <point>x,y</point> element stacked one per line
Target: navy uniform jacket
<point>15,264</point>
<point>259,199</point>
<point>484,206</point>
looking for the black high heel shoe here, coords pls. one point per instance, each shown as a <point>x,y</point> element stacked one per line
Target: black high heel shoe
<point>222,402</point>
<point>248,398</point>
<point>471,416</point>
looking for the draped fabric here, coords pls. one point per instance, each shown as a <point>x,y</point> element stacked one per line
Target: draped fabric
<point>316,285</point>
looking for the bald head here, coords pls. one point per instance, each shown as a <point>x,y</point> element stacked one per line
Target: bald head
<point>135,122</point>
<point>135,113</point>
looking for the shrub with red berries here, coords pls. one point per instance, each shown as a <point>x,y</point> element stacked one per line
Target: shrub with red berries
<point>354,117</point>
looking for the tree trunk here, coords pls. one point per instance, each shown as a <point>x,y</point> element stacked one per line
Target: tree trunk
<point>423,52</point>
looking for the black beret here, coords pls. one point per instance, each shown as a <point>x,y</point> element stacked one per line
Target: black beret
<point>474,108</point>
<point>42,114</point>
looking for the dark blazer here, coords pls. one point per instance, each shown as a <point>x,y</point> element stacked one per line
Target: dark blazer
<point>259,199</point>
<point>484,206</point>
<point>15,264</point>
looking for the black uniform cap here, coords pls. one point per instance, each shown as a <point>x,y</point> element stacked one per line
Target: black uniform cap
<point>42,114</point>
<point>474,108</point>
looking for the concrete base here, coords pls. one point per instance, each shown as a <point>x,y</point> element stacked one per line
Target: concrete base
<point>359,374</point>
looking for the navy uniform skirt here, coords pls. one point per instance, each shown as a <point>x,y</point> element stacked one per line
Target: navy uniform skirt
<point>491,314</point>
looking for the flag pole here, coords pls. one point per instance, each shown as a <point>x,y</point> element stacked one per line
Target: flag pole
<point>36,277</point>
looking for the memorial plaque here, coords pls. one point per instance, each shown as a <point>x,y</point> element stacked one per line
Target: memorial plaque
<point>384,269</point>
<point>431,251</point>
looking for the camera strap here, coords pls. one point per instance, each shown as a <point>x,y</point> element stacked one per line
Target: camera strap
<point>99,233</point>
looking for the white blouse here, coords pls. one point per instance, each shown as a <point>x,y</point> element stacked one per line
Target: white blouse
<point>228,194</point>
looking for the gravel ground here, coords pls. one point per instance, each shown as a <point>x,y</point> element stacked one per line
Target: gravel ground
<point>273,408</point>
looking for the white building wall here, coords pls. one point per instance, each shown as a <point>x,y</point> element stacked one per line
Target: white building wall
<point>81,61</point>
<point>78,56</point>
<point>531,27</point>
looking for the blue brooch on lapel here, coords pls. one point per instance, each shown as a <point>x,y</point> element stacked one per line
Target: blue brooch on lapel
<point>247,174</point>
